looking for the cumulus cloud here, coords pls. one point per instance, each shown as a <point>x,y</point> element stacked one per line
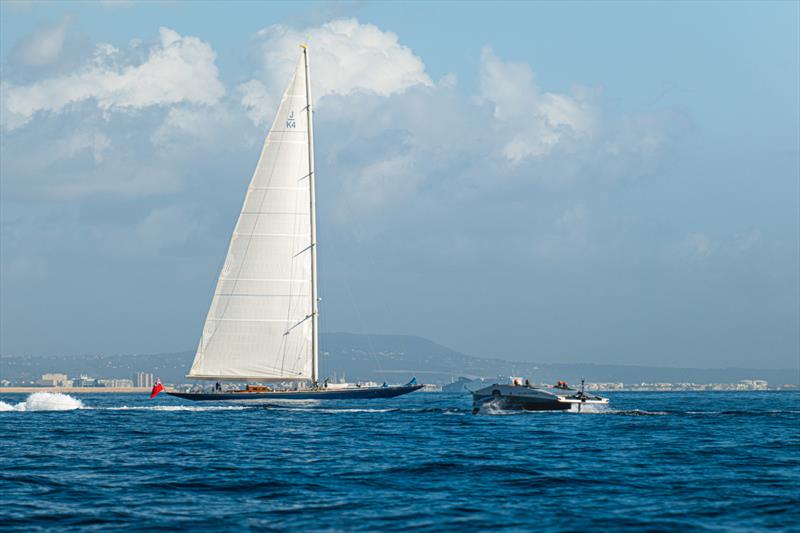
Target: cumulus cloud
<point>539,120</point>
<point>698,245</point>
<point>154,120</point>
<point>72,156</point>
<point>189,127</point>
<point>136,180</point>
<point>394,147</point>
<point>79,141</point>
<point>572,219</point>
<point>177,69</point>
<point>744,242</point>
<point>697,248</point>
<point>347,57</point>
<point>380,184</point>
<point>567,237</point>
<point>43,46</point>
<point>511,131</point>
<point>176,220</point>
<point>257,100</point>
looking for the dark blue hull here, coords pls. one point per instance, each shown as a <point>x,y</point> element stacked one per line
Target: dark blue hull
<point>311,394</point>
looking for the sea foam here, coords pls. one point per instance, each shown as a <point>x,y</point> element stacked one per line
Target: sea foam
<point>44,401</point>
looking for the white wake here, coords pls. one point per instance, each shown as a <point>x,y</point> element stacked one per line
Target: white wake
<point>590,408</point>
<point>44,401</point>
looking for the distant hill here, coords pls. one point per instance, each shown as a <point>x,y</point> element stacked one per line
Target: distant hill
<point>403,356</point>
<point>171,367</point>
<point>394,358</point>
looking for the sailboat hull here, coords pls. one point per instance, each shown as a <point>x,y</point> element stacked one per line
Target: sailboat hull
<point>310,394</point>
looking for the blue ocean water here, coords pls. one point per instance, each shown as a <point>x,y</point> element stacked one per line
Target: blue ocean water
<point>652,461</point>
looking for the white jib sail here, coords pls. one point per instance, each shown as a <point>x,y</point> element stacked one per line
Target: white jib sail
<point>259,325</point>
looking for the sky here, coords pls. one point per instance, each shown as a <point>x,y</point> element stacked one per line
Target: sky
<point>555,182</point>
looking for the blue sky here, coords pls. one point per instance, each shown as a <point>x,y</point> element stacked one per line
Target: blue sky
<point>595,182</point>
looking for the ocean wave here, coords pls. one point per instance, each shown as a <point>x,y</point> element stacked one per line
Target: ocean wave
<point>193,408</point>
<point>44,401</point>
<point>354,410</point>
<point>636,412</point>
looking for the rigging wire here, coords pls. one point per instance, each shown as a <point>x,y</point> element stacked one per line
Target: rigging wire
<point>359,317</point>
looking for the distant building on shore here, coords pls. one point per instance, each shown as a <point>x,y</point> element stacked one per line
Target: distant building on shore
<point>143,379</point>
<point>55,380</point>
<point>84,381</point>
<point>604,387</point>
<point>753,384</point>
<point>115,383</point>
<point>744,385</point>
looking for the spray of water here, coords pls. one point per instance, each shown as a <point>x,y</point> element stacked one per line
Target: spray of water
<point>495,407</point>
<point>590,409</point>
<point>44,401</point>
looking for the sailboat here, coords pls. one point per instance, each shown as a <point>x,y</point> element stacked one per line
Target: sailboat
<point>263,322</point>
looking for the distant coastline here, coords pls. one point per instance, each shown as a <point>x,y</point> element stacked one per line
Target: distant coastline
<point>392,358</point>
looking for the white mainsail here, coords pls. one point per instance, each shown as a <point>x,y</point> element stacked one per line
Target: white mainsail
<point>262,322</point>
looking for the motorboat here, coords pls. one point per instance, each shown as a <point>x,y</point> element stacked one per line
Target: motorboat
<point>522,396</point>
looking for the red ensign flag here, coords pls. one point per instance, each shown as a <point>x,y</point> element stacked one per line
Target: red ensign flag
<point>158,387</point>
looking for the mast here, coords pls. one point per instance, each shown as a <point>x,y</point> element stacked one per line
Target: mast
<point>312,201</point>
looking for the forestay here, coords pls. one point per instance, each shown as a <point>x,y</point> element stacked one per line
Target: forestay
<point>260,323</point>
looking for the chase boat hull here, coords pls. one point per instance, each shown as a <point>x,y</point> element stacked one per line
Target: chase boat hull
<point>527,398</point>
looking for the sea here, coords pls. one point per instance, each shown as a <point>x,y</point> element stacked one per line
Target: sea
<point>716,461</point>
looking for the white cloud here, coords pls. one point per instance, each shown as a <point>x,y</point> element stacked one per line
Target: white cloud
<point>128,123</point>
<point>698,248</point>
<point>698,244</point>
<point>183,123</point>
<point>96,143</point>
<point>567,237</point>
<point>416,137</point>
<point>645,134</point>
<point>347,57</point>
<point>116,180</point>
<point>380,184</point>
<point>164,227</point>
<point>399,137</point>
<point>43,46</point>
<point>531,123</point>
<point>746,241</point>
<point>259,103</point>
<point>572,219</point>
<point>177,69</point>
<point>509,85</point>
